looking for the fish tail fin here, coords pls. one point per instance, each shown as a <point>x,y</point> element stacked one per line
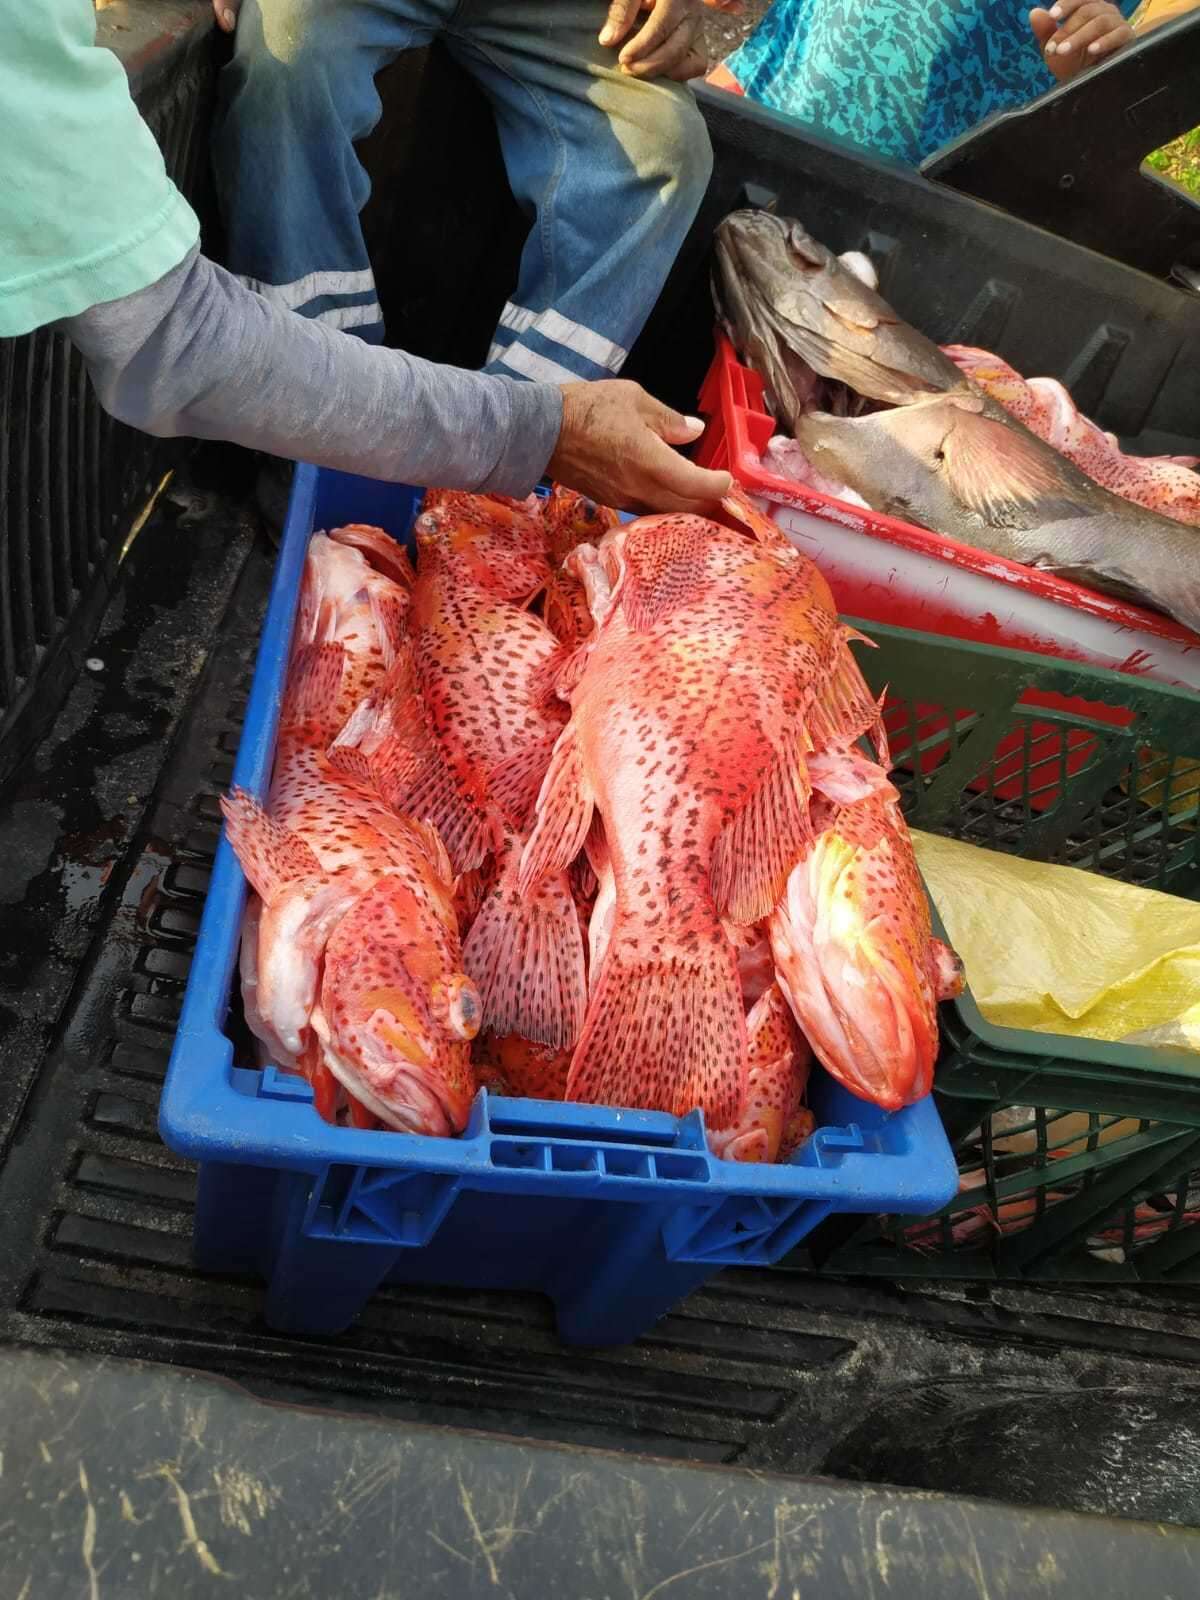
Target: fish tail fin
<point>382,552</point>
<point>524,954</point>
<point>666,1033</point>
<point>753,1147</point>
<point>564,815</point>
<point>758,847</point>
<point>313,682</point>
<point>271,856</point>
<point>949,974</point>
<point>847,776</point>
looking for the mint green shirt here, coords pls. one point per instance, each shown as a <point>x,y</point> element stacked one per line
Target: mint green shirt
<point>87,212</point>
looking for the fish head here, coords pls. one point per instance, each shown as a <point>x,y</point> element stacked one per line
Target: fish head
<point>497,545</point>
<point>396,1016</point>
<point>570,518</point>
<point>795,310</point>
<point>854,952</point>
<point>385,555</point>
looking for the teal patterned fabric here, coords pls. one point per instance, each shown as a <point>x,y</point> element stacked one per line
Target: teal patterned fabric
<point>899,77</point>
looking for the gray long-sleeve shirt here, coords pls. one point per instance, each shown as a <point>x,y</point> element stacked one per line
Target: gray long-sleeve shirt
<point>197,353</point>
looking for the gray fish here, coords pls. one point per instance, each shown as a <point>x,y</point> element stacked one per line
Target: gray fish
<point>877,406</point>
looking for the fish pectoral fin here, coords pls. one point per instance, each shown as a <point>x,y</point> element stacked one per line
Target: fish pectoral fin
<point>314,679</point>
<point>271,856</point>
<point>992,465</point>
<point>666,573</point>
<point>430,843</point>
<point>758,847</point>
<point>390,615</point>
<point>564,815</point>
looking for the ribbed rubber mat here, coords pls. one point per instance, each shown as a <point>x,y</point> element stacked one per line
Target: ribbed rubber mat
<point>768,1369</point>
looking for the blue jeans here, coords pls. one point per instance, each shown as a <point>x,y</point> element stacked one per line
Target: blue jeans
<point>612,169</point>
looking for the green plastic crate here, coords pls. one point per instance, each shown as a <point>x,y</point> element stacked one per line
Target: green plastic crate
<point>1060,1140</point>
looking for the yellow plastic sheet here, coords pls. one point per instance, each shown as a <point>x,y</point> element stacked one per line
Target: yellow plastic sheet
<point>1057,950</point>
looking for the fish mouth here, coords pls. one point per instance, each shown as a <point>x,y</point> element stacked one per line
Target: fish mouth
<point>415,1109</point>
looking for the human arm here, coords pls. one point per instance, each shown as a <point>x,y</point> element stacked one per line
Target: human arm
<point>1076,34</point>
<point>196,353</point>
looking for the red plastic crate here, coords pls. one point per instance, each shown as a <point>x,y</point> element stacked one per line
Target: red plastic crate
<point>883,570</point>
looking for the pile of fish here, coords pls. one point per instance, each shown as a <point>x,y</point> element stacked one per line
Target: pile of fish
<point>587,811</point>
<point>953,440</point>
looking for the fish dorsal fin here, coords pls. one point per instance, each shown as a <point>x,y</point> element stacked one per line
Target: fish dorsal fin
<point>994,466</point>
<point>665,568</point>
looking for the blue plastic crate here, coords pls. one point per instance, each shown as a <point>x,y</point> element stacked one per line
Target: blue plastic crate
<point>615,1215</point>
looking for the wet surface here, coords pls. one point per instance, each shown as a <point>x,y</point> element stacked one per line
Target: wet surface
<point>68,817</point>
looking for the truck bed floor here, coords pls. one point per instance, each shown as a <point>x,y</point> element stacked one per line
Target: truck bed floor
<point>105,848</point>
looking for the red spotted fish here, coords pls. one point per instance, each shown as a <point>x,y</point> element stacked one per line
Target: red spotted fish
<point>357,971</point>
<point>715,665</point>
<point>472,739</point>
<point>851,937</point>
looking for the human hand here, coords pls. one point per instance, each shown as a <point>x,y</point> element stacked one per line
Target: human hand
<point>1075,34</point>
<point>615,446</point>
<point>226,13</point>
<point>668,45</point>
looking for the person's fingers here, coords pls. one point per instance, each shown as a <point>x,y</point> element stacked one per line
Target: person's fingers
<point>1090,31</point>
<point>665,17</point>
<point>621,15</point>
<point>666,472</point>
<point>667,423</point>
<point>1062,9</point>
<point>1117,39</point>
<point>226,12</point>
<point>672,53</point>
<point>1085,17</point>
<point>1043,25</point>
